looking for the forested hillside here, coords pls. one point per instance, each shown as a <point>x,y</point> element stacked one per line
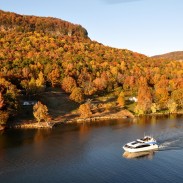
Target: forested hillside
<point>36,53</point>
<point>49,25</point>
<point>177,55</point>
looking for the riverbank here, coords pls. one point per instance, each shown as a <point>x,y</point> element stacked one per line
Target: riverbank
<point>71,118</point>
<point>62,110</point>
<point>107,116</point>
<point>75,118</point>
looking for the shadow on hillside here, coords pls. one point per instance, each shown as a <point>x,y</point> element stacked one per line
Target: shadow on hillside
<point>58,102</point>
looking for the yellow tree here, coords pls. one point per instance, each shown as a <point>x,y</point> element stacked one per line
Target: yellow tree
<point>154,107</point>
<point>161,92</point>
<point>177,96</point>
<point>77,95</point>
<point>40,82</point>
<point>161,97</point>
<point>85,110</point>
<point>40,112</point>
<point>121,99</point>
<point>32,86</point>
<point>54,77</point>
<point>172,106</point>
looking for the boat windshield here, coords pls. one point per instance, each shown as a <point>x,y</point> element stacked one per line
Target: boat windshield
<point>147,139</point>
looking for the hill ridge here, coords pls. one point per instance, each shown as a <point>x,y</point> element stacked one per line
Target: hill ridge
<point>175,55</point>
<point>30,23</point>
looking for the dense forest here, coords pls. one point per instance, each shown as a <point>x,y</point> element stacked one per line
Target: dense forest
<point>177,55</point>
<point>36,53</point>
<point>54,26</point>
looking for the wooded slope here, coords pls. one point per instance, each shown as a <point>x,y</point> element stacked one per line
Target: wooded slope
<point>38,52</point>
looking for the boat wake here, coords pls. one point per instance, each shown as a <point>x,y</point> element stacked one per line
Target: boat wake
<point>170,140</point>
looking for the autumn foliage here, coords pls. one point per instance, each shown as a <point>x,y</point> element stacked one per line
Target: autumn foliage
<point>22,23</point>
<point>40,112</point>
<point>68,84</point>
<point>77,95</point>
<point>38,52</point>
<point>85,110</point>
<point>121,99</point>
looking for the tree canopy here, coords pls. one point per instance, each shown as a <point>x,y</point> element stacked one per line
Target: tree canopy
<point>37,52</point>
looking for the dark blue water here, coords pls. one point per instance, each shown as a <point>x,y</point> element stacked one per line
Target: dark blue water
<point>93,153</point>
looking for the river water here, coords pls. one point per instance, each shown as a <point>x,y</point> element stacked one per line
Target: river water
<point>93,153</point>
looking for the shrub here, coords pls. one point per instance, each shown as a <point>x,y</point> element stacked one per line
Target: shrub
<point>85,110</point>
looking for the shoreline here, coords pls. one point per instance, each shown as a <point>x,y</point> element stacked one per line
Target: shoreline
<point>32,124</point>
<point>64,111</point>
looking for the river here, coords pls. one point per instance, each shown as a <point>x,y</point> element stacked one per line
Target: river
<point>92,153</point>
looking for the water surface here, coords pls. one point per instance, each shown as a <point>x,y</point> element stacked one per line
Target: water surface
<point>93,153</point>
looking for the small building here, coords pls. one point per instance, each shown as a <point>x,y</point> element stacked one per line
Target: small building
<point>28,103</point>
<point>133,99</point>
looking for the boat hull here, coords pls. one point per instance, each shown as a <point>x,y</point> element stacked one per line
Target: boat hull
<point>133,150</point>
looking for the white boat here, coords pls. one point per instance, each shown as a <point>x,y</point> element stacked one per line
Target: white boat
<point>147,143</point>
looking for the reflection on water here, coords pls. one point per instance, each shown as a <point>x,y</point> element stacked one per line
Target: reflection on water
<point>91,152</point>
<point>139,155</point>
